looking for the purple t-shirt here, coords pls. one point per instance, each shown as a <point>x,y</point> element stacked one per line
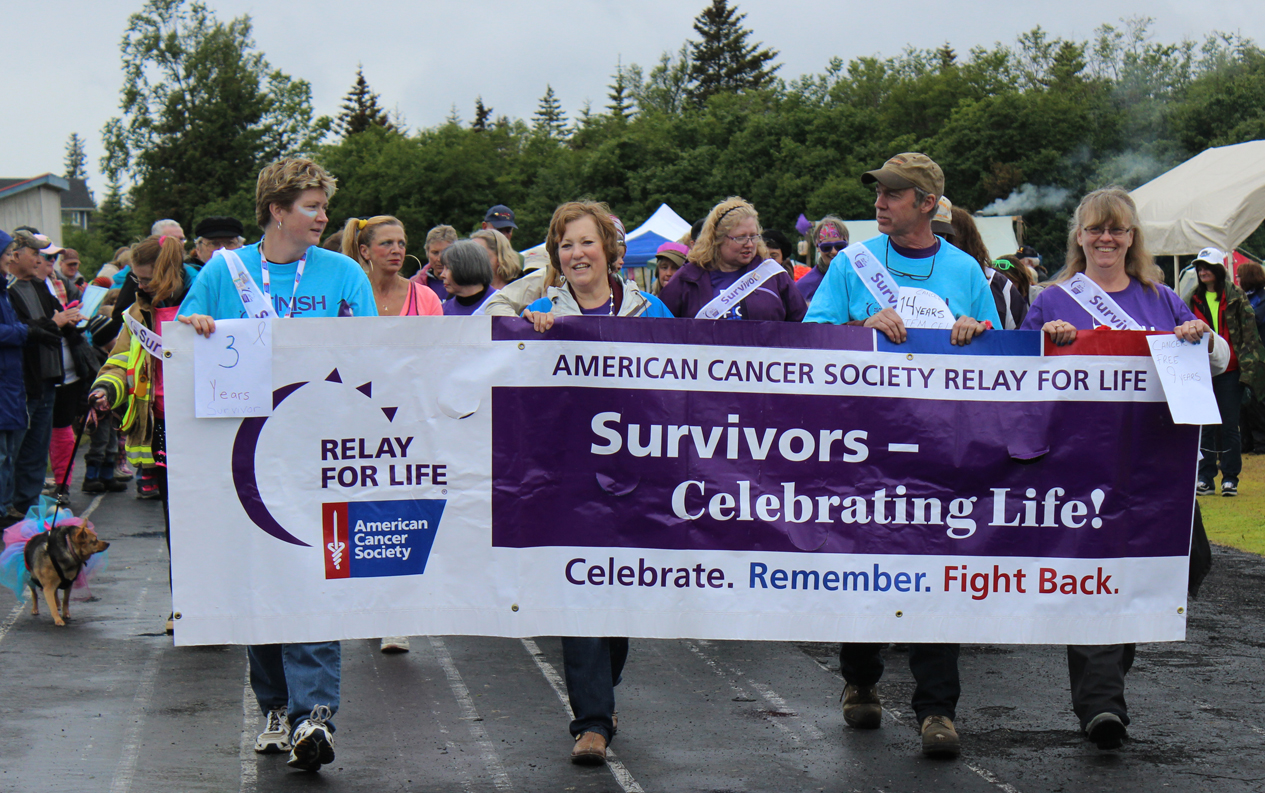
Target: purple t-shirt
<point>808,283</point>
<point>722,281</point>
<point>1158,310</point>
<point>603,310</point>
<point>453,308</point>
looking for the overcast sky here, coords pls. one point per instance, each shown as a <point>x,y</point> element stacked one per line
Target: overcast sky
<point>422,57</point>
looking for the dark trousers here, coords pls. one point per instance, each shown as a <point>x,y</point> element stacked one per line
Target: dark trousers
<point>103,447</point>
<point>32,459</point>
<point>593,667</point>
<point>1220,443</point>
<point>1097,672</point>
<point>934,666</point>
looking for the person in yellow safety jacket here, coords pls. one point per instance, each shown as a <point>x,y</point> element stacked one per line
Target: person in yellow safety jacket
<point>130,382</point>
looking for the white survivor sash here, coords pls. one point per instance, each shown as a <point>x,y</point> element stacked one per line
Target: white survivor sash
<point>252,299</point>
<point>150,341</point>
<point>720,304</point>
<point>918,308</point>
<point>1098,304</point>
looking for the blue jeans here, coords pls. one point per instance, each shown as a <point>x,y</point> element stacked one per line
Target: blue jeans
<point>1221,442</point>
<point>593,667</point>
<point>32,462</point>
<point>10,442</point>
<point>297,677</point>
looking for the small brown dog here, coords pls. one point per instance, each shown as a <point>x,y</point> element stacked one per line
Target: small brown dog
<point>54,559</point>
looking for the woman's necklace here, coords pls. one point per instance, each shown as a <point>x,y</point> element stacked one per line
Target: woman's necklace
<point>385,302</point>
<point>911,276</point>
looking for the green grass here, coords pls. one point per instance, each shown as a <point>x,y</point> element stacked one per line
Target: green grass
<point>1239,522</point>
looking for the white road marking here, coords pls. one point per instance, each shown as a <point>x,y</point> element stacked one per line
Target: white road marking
<point>126,769</point>
<point>770,696</point>
<point>96,502</point>
<point>471,715</point>
<point>246,750</point>
<point>618,770</point>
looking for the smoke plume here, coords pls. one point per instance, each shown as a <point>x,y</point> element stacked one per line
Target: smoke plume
<point>1028,198</point>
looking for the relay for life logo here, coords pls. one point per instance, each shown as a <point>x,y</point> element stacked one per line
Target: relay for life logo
<point>370,539</point>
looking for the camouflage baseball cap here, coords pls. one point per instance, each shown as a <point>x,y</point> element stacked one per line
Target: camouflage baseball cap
<point>26,239</point>
<point>909,169</point>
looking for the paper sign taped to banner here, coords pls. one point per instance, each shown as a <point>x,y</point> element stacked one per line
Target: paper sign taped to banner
<point>232,370</point>
<point>1186,376</point>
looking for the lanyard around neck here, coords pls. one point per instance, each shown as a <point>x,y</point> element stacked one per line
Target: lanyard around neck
<point>266,286</point>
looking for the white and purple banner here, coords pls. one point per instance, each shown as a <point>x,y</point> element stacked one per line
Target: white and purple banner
<point>669,478</point>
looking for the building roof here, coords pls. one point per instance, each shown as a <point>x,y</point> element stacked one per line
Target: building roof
<point>9,187</point>
<point>78,196</point>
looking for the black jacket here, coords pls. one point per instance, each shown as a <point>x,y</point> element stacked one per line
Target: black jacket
<point>43,332</point>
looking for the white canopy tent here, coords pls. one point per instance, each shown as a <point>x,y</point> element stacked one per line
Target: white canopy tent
<point>643,241</point>
<point>1216,198</point>
<point>998,233</point>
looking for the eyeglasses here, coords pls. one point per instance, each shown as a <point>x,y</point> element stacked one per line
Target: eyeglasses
<point>1098,231</point>
<point>747,240</point>
<point>836,245</point>
<point>1002,264</point>
<point>49,257</point>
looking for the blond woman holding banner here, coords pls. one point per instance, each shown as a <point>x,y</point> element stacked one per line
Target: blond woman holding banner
<point>729,274</point>
<point>1110,280</point>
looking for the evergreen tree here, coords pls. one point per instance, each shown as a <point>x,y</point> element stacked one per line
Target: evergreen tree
<point>361,110</point>
<point>549,120</point>
<point>76,158</point>
<point>481,115</point>
<point>723,60</point>
<point>948,57</point>
<point>621,106</point>
<point>112,221</point>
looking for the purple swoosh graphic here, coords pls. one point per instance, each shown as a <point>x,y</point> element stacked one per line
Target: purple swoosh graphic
<point>244,471</point>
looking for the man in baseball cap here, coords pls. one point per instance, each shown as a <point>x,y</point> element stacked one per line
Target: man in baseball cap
<point>907,188</point>
<point>501,218</point>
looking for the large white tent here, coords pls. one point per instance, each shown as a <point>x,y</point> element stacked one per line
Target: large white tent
<point>998,233</point>
<point>1215,198</point>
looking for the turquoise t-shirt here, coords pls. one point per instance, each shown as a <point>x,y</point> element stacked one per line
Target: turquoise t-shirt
<point>955,276</point>
<point>332,286</point>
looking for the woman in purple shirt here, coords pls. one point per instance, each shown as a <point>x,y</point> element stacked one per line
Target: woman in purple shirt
<point>467,277</point>
<point>1106,254</point>
<point>830,236</point>
<point>729,247</point>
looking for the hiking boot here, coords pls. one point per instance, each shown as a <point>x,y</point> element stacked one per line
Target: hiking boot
<point>1202,488</point>
<point>92,480</point>
<point>113,485</point>
<point>861,707</point>
<point>276,735</point>
<point>1107,731</point>
<point>589,749</point>
<point>1229,489</point>
<point>312,744</point>
<point>939,739</point>
<point>394,644</point>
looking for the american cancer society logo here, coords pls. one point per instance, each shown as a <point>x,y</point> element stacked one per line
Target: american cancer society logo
<point>365,539</point>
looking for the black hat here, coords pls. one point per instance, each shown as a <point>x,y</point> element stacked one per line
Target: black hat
<point>500,217</point>
<point>218,226</point>
<point>1027,252</point>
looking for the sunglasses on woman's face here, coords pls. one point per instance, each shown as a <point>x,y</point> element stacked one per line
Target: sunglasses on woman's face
<point>835,245</point>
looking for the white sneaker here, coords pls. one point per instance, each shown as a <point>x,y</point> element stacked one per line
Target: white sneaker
<point>312,744</point>
<point>276,735</point>
<point>394,644</point>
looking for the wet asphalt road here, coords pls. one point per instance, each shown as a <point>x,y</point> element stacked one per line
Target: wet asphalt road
<point>108,704</point>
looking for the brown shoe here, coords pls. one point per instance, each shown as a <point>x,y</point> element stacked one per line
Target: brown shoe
<point>589,749</point>
<point>939,739</point>
<point>861,707</point>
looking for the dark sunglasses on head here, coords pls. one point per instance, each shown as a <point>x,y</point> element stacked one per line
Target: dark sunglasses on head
<point>836,245</point>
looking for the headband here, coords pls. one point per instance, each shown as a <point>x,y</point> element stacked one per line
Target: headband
<point>716,225</point>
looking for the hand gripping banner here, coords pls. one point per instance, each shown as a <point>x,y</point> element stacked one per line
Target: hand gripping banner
<point>672,478</point>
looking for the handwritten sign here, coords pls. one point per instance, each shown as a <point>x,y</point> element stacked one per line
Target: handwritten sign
<point>1186,377</point>
<point>920,308</point>
<point>232,370</point>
